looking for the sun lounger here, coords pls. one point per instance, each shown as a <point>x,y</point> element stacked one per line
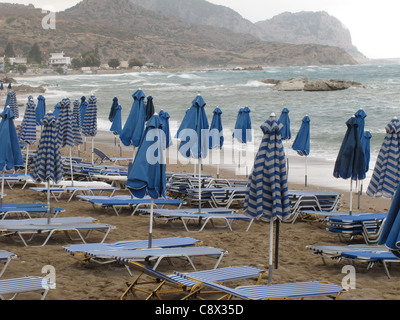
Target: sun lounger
<point>5,259</point>
<point>31,227</point>
<point>134,203</point>
<point>299,290</point>
<point>27,209</point>
<point>217,197</point>
<point>316,200</point>
<point>334,252</point>
<point>79,250</point>
<point>156,255</point>
<point>13,178</point>
<point>369,226</point>
<point>16,286</point>
<point>178,282</point>
<point>372,258</point>
<point>200,219</point>
<point>57,192</point>
<point>102,157</point>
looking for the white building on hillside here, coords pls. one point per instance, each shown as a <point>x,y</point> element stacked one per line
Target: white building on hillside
<point>17,60</point>
<point>58,60</point>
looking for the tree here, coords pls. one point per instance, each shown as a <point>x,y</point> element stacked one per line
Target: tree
<point>77,63</point>
<point>22,68</point>
<point>91,59</point>
<point>35,55</point>
<point>9,51</point>
<point>114,63</point>
<point>134,62</point>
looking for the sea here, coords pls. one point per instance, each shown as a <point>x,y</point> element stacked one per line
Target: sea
<point>231,90</point>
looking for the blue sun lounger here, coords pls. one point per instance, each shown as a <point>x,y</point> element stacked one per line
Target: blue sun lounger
<point>180,282</point>
<point>5,259</point>
<point>27,209</point>
<point>334,252</point>
<point>369,226</point>
<point>299,290</point>
<point>371,258</point>
<point>14,287</point>
<point>134,203</point>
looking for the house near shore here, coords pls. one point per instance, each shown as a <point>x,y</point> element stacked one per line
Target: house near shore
<point>58,60</point>
<point>17,60</point>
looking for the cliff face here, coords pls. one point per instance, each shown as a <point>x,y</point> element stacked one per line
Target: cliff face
<point>308,27</point>
<point>295,28</point>
<point>121,29</point>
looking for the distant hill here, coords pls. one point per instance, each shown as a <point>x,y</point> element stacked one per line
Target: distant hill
<point>121,29</point>
<point>308,27</point>
<point>295,28</point>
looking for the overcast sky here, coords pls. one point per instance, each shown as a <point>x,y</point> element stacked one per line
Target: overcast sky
<point>373,24</point>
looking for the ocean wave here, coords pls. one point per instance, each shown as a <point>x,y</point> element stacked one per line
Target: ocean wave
<point>184,76</point>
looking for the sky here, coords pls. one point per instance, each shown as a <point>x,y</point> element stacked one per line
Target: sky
<point>373,24</point>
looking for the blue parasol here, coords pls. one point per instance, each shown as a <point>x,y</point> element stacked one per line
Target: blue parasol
<point>216,134</point>
<point>242,132</point>
<point>147,173</point>
<point>195,135</point>
<point>133,129</point>
<point>302,142</point>
<point>350,162</point>
<point>10,151</point>
<point>285,120</point>
<point>40,110</point>
<point>113,110</point>
<point>164,116</point>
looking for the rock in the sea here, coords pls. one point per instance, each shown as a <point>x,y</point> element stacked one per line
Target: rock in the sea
<point>303,84</point>
<point>28,89</point>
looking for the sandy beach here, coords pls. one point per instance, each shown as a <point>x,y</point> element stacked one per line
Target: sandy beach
<point>76,280</point>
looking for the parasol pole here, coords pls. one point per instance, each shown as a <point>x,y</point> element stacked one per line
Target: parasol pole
<point>70,164</point>
<point>305,177</point>
<point>271,240</point>
<point>351,196</point>
<point>27,158</point>
<point>48,202</point>
<point>151,224</point>
<point>199,184</point>
<point>2,189</point>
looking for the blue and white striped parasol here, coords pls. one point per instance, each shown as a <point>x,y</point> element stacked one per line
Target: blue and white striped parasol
<point>267,196</point>
<point>89,122</point>
<point>47,163</point>
<point>27,131</point>
<point>11,101</point>
<point>386,175</point>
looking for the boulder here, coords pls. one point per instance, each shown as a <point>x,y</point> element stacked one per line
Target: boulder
<point>303,84</point>
<point>295,84</point>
